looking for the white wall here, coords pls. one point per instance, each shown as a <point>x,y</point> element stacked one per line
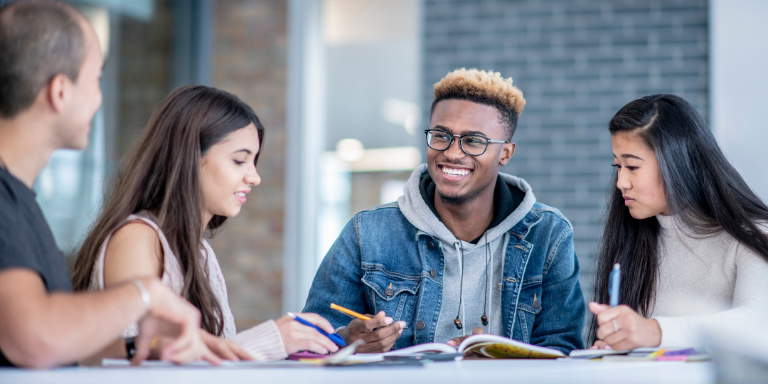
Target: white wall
<point>739,86</point>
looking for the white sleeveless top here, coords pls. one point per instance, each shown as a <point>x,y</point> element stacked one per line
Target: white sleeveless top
<point>172,275</point>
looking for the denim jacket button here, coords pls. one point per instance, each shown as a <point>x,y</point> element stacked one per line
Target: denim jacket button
<point>430,245</point>
<point>433,273</point>
<point>420,325</point>
<point>389,292</point>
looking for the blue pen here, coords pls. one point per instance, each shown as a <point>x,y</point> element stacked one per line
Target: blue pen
<point>614,280</point>
<point>333,336</point>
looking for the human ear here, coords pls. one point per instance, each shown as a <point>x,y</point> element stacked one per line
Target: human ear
<point>507,151</point>
<point>58,93</point>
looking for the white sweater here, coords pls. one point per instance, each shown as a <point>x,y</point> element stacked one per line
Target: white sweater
<point>706,283</point>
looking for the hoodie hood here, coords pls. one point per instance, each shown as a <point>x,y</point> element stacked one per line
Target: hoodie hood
<point>419,214</point>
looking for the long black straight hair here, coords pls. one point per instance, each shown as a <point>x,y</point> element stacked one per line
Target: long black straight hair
<point>704,192</point>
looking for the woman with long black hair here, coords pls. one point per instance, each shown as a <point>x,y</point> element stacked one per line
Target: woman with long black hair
<point>689,233</point>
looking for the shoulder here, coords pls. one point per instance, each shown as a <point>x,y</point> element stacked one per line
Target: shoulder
<point>134,247</point>
<point>383,221</point>
<point>137,232</point>
<point>9,197</point>
<point>386,215</point>
<point>381,209</point>
<point>380,213</point>
<point>550,215</point>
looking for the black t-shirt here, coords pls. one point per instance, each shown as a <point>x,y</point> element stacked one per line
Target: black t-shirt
<point>26,240</point>
<point>506,198</point>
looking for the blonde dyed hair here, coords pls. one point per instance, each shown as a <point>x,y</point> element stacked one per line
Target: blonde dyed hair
<point>483,87</point>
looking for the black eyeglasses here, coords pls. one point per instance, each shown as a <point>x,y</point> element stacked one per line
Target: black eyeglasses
<point>472,145</point>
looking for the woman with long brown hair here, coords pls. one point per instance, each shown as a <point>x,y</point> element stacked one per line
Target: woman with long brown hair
<point>191,169</point>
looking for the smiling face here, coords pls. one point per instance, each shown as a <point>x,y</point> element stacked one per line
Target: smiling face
<point>227,173</point>
<point>639,178</point>
<point>458,177</point>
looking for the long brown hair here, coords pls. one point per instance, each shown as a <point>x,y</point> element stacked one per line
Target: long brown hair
<point>160,175</point>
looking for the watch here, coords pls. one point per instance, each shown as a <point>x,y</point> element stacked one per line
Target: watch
<point>130,346</point>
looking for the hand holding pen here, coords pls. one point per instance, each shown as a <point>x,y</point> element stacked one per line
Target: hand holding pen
<point>299,337</point>
<point>378,332</point>
<point>619,326</point>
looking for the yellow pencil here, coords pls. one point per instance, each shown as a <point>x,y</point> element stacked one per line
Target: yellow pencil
<point>349,312</point>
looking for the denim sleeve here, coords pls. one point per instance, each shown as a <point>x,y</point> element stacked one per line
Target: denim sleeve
<point>560,322</point>
<point>338,280</point>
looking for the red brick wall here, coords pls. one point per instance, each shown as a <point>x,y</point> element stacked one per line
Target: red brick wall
<point>249,60</point>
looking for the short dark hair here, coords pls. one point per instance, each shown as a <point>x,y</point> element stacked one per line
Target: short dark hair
<point>39,39</point>
<point>483,87</point>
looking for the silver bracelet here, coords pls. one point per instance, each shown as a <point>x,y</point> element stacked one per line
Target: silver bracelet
<point>144,293</point>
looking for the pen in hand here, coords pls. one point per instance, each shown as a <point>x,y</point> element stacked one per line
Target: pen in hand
<point>349,312</point>
<point>614,282</point>
<point>333,336</point>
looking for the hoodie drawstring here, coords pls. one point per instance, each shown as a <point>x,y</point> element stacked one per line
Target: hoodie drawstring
<point>460,255</point>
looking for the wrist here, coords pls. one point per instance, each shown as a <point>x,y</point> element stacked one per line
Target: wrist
<point>655,333</point>
<point>144,294</point>
<point>343,331</point>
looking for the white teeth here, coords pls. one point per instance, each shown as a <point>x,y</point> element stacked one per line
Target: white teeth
<point>240,194</point>
<point>455,172</point>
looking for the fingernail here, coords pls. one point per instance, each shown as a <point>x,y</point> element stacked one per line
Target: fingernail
<point>387,320</point>
<point>402,325</point>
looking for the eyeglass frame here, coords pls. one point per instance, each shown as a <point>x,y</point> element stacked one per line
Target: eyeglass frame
<point>461,145</point>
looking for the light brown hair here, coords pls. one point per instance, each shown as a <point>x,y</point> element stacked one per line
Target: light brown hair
<point>39,39</point>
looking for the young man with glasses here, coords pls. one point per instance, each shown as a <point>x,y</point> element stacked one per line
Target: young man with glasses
<point>466,249</point>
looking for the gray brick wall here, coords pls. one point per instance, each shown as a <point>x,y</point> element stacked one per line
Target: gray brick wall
<point>577,62</point>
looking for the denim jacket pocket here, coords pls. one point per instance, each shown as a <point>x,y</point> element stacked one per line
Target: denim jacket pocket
<point>529,305</point>
<point>394,293</point>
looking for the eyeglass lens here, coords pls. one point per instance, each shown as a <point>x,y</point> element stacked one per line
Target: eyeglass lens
<point>472,145</point>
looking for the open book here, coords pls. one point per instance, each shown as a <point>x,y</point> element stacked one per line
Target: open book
<point>492,346</point>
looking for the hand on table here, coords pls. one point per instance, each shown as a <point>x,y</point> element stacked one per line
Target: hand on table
<point>457,340</point>
<point>621,328</point>
<point>378,333</point>
<point>299,337</point>
<point>225,349</point>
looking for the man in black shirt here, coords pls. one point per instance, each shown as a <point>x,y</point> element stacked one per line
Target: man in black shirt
<point>50,68</point>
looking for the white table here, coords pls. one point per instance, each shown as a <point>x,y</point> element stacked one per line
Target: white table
<point>476,371</point>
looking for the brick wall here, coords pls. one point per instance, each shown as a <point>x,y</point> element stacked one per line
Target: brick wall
<point>145,54</point>
<point>249,60</point>
<point>577,62</point>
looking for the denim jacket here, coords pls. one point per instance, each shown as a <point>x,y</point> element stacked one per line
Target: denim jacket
<point>382,262</point>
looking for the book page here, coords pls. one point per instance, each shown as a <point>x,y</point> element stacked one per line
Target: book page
<point>505,348</point>
<point>410,351</point>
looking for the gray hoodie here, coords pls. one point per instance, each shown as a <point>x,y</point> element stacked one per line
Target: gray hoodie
<point>477,286</point>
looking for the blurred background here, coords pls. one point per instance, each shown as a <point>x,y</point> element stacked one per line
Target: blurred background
<point>344,88</point>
